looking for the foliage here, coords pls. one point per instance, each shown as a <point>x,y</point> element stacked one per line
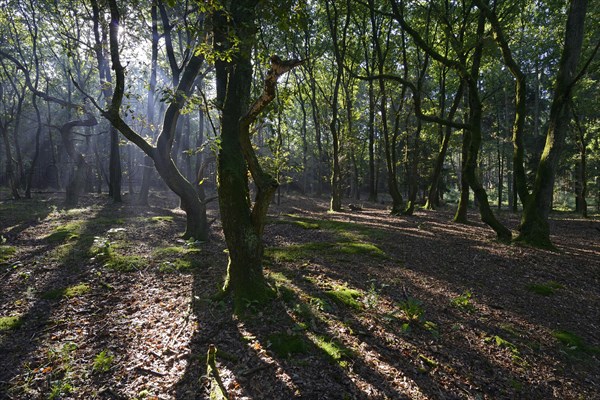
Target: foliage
<point>463,301</point>
<point>411,309</point>
<point>103,362</point>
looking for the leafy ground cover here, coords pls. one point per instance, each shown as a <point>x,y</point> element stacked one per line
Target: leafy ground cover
<point>105,301</point>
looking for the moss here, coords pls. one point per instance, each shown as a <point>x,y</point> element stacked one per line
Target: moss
<point>298,252</point>
<point>177,258</point>
<point>65,233</point>
<point>285,345</point>
<point>335,351</point>
<point>574,342</point>
<point>10,323</point>
<point>125,263</point>
<point>306,225</point>
<point>162,218</point>
<point>361,248</point>
<point>69,292</point>
<point>544,289</point>
<point>346,296</point>
<point>6,253</point>
<point>77,290</point>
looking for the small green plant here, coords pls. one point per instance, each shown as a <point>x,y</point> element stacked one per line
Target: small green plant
<point>346,296</point>
<point>412,309</point>
<point>371,299</point>
<point>544,289</point>
<point>59,389</point>
<point>285,345</point>
<point>7,252</point>
<point>503,343</point>
<point>463,301</point>
<point>320,304</point>
<point>102,362</point>
<point>10,323</point>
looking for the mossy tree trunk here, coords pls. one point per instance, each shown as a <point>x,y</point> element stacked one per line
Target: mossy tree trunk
<point>534,229</point>
<point>243,220</point>
<point>475,115</point>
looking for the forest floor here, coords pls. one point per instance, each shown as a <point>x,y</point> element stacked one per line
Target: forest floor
<point>105,302</point>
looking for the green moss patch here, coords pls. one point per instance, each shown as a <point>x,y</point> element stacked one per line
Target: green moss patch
<point>65,233</point>
<point>334,350</point>
<point>346,296</point>
<point>545,289</point>
<point>285,345</point>
<point>360,248</point>
<point>10,323</point>
<point>162,218</point>
<point>574,342</point>
<point>177,258</point>
<point>69,292</point>
<point>6,253</point>
<point>305,251</point>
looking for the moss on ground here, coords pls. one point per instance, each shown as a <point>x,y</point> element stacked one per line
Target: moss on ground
<point>544,289</point>
<point>285,345</point>
<point>10,323</point>
<point>346,296</point>
<point>65,233</point>
<point>6,253</point>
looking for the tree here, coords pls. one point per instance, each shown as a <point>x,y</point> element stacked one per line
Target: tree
<point>243,220</point>
<point>534,228</point>
<point>194,207</point>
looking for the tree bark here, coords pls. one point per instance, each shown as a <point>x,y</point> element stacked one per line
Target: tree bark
<point>243,222</point>
<point>534,229</point>
<point>194,207</point>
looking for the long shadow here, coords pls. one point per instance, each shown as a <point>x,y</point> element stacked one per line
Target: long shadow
<point>17,349</point>
<point>465,273</point>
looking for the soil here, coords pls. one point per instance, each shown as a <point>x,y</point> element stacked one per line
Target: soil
<point>367,306</point>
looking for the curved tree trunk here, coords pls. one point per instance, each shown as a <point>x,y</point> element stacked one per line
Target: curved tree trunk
<point>195,209</point>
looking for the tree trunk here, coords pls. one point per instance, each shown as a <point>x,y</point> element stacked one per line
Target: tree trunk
<point>147,169</point>
<point>534,229</point>
<point>432,193</point>
<point>463,203</point>
<point>195,209</point>
<point>243,222</point>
